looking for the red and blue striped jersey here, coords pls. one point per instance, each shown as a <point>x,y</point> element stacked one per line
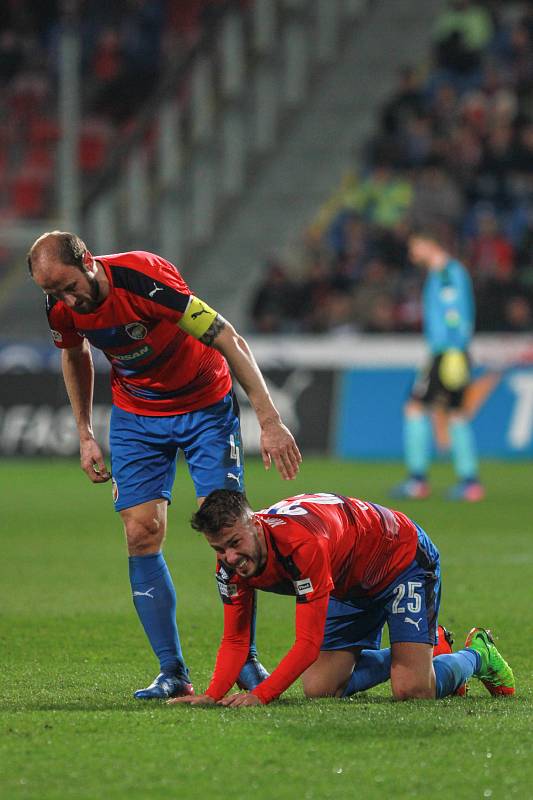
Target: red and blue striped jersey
<point>317,545</point>
<point>156,367</point>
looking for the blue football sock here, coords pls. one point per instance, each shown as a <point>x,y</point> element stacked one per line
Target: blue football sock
<point>417,444</point>
<point>154,598</point>
<point>454,669</point>
<point>372,668</point>
<point>463,446</point>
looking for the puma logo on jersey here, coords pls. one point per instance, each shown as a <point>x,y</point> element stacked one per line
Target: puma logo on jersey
<point>155,289</point>
<point>145,594</point>
<point>199,313</point>
<point>234,477</point>
<point>416,623</point>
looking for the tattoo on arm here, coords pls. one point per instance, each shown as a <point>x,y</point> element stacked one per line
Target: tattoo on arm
<point>212,332</point>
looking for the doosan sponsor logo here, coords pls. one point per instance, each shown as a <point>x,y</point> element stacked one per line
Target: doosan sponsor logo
<point>133,356</point>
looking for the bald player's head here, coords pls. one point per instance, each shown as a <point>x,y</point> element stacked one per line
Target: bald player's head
<point>63,268</point>
<point>56,247</point>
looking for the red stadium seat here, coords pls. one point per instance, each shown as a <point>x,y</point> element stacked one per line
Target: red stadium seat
<point>28,193</point>
<point>95,138</point>
<point>43,130</point>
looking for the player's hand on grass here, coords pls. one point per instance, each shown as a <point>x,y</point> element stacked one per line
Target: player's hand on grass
<point>92,461</point>
<point>240,699</point>
<point>193,700</point>
<point>278,445</point>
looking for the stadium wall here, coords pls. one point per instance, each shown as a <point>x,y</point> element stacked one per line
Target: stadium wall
<point>340,395</point>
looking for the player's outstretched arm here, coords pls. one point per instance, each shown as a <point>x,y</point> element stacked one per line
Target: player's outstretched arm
<point>78,373</point>
<point>277,442</point>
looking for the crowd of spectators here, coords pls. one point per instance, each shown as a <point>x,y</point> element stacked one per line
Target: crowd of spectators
<point>454,145</point>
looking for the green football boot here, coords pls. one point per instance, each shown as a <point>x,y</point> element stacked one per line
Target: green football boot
<point>494,672</point>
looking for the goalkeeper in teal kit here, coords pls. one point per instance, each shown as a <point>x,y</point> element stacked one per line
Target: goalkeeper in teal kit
<point>448,322</point>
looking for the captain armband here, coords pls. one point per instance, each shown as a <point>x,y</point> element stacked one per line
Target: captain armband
<point>197,318</point>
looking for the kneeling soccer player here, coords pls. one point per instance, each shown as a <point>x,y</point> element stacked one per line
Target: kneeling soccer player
<point>353,566</point>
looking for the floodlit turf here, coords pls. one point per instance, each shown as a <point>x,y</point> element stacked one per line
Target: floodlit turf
<point>72,652</point>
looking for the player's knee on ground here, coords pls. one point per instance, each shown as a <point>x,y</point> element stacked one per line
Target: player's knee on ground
<point>330,673</point>
<point>319,687</point>
<point>410,689</point>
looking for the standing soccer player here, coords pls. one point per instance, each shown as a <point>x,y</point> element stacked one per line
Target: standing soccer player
<point>170,355</point>
<point>448,321</point>
<point>352,566</point>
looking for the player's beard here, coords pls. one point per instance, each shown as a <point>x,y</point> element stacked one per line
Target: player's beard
<point>90,305</point>
<point>256,561</point>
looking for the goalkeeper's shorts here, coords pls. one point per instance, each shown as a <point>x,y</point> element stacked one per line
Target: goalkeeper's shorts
<point>443,380</point>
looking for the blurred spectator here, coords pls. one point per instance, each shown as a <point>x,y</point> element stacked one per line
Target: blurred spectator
<point>383,197</point>
<point>443,107</point>
<point>436,194</point>
<point>336,314</point>
<point>407,102</point>
<point>11,55</point>
<point>493,179</point>
<point>313,295</point>
<point>518,317</point>
<point>517,56</point>
<point>491,255</point>
<point>374,309</point>
<point>523,160</point>
<point>416,141</point>
<point>273,306</point>
<point>461,32</point>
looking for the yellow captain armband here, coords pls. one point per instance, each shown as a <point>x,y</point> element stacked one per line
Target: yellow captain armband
<point>197,317</point>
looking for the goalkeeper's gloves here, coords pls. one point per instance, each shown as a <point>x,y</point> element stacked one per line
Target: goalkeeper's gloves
<point>454,370</point>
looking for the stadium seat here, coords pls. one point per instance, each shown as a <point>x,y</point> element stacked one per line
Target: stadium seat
<point>95,138</point>
<point>28,193</point>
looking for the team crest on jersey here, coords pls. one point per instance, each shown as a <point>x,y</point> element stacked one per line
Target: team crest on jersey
<point>448,294</point>
<point>136,330</point>
<point>115,490</point>
<point>303,586</point>
<point>56,335</point>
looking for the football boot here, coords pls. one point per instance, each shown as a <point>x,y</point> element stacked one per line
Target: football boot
<point>495,673</point>
<point>252,674</point>
<point>472,491</point>
<point>411,489</point>
<point>163,686</point>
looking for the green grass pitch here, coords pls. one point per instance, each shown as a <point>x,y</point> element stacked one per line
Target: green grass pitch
<point>72,652</point>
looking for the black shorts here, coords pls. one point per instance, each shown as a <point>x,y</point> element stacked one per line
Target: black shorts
<point>443,381</point>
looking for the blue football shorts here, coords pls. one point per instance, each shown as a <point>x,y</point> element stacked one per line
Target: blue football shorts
<point>409,606</point>
<point>144,452</point>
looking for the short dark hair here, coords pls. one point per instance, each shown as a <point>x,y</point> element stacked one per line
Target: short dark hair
<point>433,231</point>
<point>70,249</point>
<point>220,509</point>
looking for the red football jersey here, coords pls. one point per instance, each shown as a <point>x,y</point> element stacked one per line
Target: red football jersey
<point>317,545</point>
<point>156,368</point>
